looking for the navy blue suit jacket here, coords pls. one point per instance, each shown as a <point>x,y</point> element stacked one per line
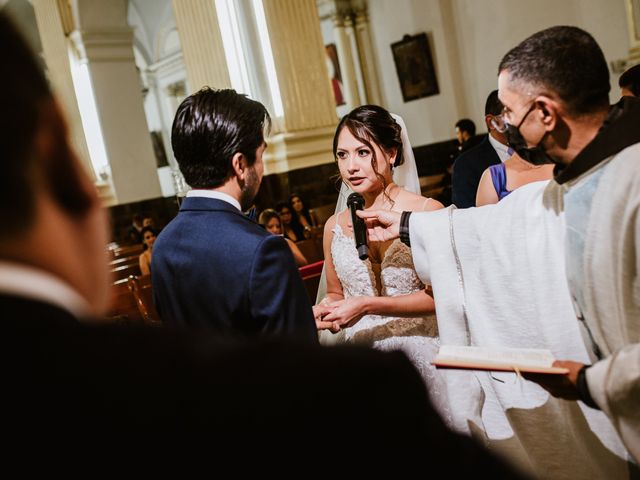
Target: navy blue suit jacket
<point>214,268</point>
<point>467,171</point>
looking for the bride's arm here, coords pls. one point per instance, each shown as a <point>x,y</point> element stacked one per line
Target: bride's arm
<point>349,311</point>
<point>334,287</point>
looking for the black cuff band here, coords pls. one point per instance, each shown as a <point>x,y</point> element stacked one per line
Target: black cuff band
<point>583,388</point>
<point>404,228</point>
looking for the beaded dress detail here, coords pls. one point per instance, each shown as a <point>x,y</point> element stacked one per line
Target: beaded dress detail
<point>416,337</point>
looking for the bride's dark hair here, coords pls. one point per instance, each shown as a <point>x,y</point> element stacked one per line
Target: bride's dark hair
<point>373,124</point>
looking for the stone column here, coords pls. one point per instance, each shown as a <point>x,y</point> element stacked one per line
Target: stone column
<point>309,108</point>
<point>56,55</point>
<point>346,60</point>
<point>367,60</point>
<point>201,42</point>
<point>105,42</point>
<point>633,17</point>
<point>351,34</point>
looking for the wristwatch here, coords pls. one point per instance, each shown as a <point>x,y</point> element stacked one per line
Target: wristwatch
<point>404,228</point>
<point>583,388</point>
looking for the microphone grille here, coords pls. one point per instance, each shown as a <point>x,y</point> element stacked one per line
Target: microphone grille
<point>355,198</point>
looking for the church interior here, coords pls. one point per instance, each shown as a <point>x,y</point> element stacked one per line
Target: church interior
<point>121,68</point>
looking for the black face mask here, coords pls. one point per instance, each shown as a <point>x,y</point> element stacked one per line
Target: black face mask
<point>534,155</point>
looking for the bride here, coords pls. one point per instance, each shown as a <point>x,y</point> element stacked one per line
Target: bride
<point>380,301</point>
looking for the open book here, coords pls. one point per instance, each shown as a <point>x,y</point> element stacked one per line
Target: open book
<point>530,360</point>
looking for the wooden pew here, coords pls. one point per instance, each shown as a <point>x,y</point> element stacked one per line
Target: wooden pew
<point>122,305</point>
<point>140,288</point>
<point>310,250</point>
<point>311,277</point>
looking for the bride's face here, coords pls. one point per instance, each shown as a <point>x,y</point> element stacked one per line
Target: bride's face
<point>356,163</point>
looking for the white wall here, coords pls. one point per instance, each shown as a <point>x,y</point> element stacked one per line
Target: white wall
<point>468,39</point>
<point>428,119</point>
<point>490,28</point>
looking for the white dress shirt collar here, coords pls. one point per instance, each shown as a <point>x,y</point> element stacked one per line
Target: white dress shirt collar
<point>29,282</point>
<point>215,194</point>
<point>501,150</point>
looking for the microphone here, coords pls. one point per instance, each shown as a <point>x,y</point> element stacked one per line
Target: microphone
<point>355,201</point>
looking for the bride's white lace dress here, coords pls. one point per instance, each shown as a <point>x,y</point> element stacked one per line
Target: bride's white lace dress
<point>416,337</point>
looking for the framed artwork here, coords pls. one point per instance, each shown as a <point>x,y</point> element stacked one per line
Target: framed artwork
<point>414,65</point>
<point>333,66</point>
<point>158,149</point>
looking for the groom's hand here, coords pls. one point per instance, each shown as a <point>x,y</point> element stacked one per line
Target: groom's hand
<point>321,311</point>
<point>382,225</point>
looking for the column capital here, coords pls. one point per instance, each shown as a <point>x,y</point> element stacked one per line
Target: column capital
<point>293,150</point>
<point>338,20</point>
<point>348,21</point>
<point>173,63</point>
<point>361,17</point>
<point>108,45</point>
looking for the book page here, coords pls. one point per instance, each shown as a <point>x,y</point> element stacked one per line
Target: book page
<point>516,356</point>
<point>499,359</point>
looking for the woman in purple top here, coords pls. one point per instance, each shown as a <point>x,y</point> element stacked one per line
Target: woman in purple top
<point>500,180</point>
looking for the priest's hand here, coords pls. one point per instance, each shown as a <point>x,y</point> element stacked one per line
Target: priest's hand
<point>382,225</point>
<point>561,386</point>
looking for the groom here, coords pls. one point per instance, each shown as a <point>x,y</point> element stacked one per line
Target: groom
<point>554,87</point>
<point>213,268</point>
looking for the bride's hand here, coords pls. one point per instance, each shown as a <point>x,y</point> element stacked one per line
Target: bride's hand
<point>320,311</point>
<point>346,313</point>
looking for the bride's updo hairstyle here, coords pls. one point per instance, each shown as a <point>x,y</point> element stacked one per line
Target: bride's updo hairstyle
<point>373,124</point>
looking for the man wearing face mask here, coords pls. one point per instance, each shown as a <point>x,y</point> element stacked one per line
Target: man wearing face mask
<point>568,249</point>
<point>557,113</point>
<point>469,166</point>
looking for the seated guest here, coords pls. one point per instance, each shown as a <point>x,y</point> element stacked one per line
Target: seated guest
<point>291,226</point>
<point>500,180</point>
<point>270,220</point>
<point>304,217</point>
<point>147,221</point>
<point>134,235</point>
<point>148,239</point>
<point>466,134</point>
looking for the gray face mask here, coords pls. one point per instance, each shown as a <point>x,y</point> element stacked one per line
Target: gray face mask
<point>534,155</point>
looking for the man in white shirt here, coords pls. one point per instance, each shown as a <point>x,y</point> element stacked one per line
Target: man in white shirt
<point>469,166</point>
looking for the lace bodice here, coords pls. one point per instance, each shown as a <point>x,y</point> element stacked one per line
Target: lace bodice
<point>416,337</point>
<point>397,273</point>
<point>397,277</point>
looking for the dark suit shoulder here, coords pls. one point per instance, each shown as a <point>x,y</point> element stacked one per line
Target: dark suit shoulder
<point>483,150</point>
<point>25,313</point>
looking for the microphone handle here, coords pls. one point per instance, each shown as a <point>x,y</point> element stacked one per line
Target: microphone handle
<point>359,233</point>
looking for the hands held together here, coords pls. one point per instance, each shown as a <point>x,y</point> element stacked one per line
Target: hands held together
<point>339,314</point>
